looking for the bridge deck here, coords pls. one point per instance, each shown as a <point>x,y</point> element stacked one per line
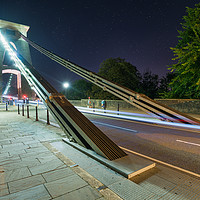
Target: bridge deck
<point>36,164</point>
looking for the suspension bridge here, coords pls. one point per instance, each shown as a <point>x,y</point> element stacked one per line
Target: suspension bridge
<point>83,133</point>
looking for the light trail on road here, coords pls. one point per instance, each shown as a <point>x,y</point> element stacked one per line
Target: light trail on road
<point>153,140</point>
<point>136,117</point>
<point>112,126</point>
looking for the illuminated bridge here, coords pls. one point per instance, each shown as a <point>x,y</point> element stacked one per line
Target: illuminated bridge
<point>89,133</point>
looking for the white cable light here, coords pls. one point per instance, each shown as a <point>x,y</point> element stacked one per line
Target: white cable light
<point>17,62</point>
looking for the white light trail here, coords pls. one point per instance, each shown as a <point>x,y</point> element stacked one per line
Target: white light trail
<point>8,85</point>
<point>17,61</point>
<point>140,119</point>
<point>113,126</point>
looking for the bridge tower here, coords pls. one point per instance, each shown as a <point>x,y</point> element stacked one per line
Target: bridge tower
<point>10,31</point>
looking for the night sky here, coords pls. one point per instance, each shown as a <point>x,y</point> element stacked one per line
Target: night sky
<point>89,31</point>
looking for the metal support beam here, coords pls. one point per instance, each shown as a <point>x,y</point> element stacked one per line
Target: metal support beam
<point>74,123</point>
<point>140,101</point>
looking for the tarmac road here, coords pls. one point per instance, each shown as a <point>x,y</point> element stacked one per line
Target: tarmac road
<point>176,146</point>
<point>173,145</point>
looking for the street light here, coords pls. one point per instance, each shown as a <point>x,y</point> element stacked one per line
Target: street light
<point>66,85</point>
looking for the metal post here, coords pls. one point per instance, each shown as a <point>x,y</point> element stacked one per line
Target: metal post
<point>18,109</point>
<point>6,106</point>
<point>22,110</point>
<point>36,113</point>
<point>104,107</point>
<point>48,117</point>
<point>93,107</point>
<point>118,109</point>
<point>27,111</point>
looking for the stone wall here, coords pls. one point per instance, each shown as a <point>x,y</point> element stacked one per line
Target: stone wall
<point>110,104</point>
<point>183,105</point>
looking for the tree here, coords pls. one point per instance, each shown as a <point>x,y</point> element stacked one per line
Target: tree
<point>149,84</point>
<point>187,54</point>
<point>119,71</point>
<point>164,85</point>
<point>80,89</point>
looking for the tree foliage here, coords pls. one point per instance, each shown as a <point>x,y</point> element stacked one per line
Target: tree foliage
<point>80,89</point>
<point>149,84</point>
<point>119,71</point>
<point>164,85</point>
<point>186,84</point>
<point>123,73</point>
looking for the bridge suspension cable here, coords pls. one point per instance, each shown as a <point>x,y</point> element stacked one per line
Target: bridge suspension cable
<point>75,125</point>
<point>8,85</point>
<point>141,101</point>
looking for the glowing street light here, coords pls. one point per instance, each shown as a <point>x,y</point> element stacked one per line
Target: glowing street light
<point>66,85</point>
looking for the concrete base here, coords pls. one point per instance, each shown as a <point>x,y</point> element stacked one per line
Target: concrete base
<point>128,166</point>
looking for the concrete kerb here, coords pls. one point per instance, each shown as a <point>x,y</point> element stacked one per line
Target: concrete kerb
<point>126,166</point>
<point>109,194</point>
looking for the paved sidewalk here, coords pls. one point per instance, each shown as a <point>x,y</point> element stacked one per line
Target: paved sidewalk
<point>36,164</point>
<point>31,169</point>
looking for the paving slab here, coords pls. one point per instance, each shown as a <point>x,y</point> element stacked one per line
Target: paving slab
<point>6,159</point>
<point>5,141</point>
<point>57,174</point>
<point>45,167</point>
<point>35,193</point>
<point>15,174</point>
<point>14,146</point>
<point>22,139</point>
<point>87,177</point>
<point>34,154</point>
<point>3,154</point>
<point>105,175</point>
<point>13,152</point>
<point>65,185</point>
<point>3,189</point>
<point>37,149</point>
<point>84,193</point>
<point>20,164</point>
<point>25,183</point>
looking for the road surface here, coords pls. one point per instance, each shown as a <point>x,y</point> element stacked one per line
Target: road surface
<point>176,146</point>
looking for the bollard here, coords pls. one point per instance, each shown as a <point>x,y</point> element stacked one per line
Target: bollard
<point>6,106</point>
<point>27,111</point>
<point>93,107</point>
<point>22,110</point>
<point>18,109</point>
<point>118,109</point>
<point>48,117</point>
<point>36,113</point>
